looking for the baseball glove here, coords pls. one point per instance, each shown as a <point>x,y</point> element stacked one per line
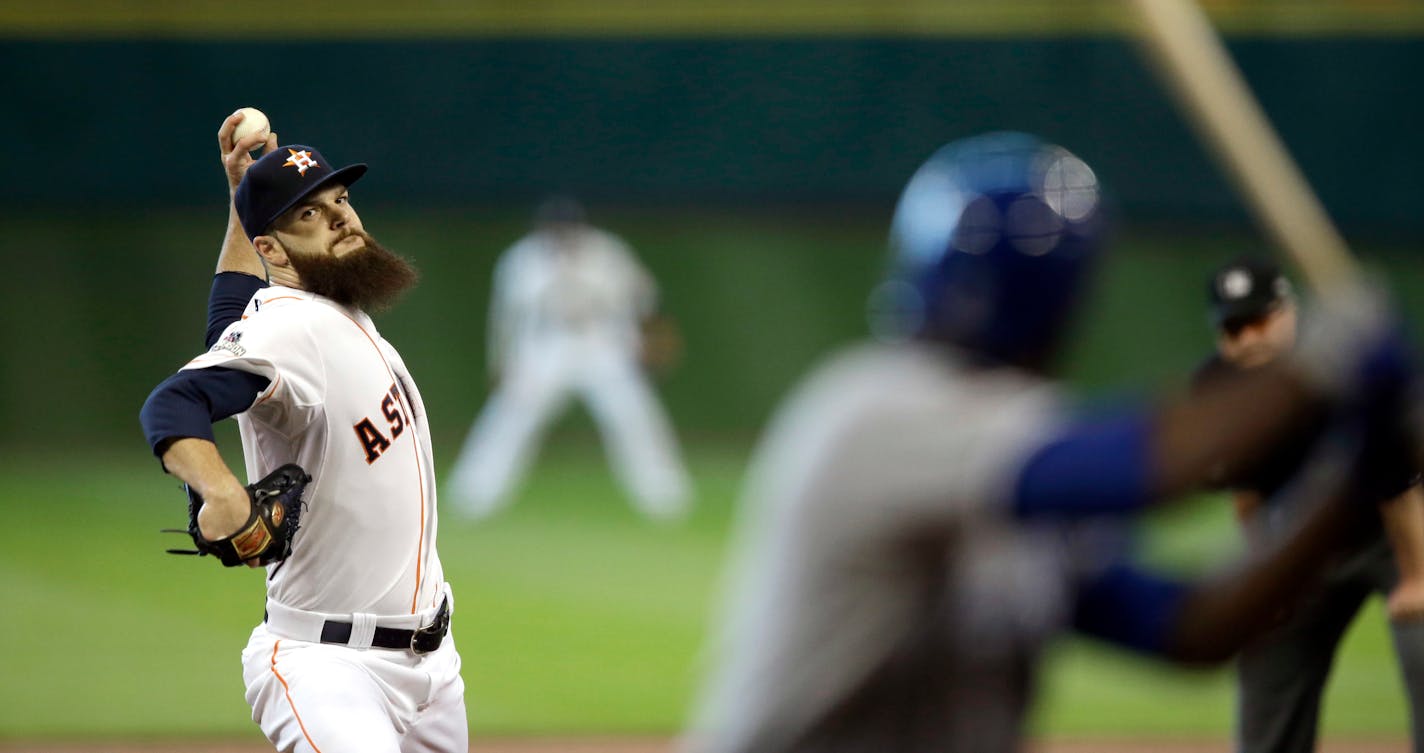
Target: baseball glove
<point>267,535</point>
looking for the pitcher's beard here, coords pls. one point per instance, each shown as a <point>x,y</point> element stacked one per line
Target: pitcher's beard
<point>371,278</point>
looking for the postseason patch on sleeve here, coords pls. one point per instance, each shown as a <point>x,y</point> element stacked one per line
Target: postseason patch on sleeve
<point>230,343</point>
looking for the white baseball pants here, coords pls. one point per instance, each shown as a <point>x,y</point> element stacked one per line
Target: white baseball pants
<point>321,698</point>
<point>534,389</point>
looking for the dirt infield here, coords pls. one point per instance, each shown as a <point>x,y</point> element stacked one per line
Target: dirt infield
<point>622,745</point>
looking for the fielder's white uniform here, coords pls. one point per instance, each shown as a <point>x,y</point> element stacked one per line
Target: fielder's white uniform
<point>341,404</point>
<point>565,319</point>
<point>883,602</point>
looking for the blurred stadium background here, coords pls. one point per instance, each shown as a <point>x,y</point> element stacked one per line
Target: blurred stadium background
<point>750,151</point>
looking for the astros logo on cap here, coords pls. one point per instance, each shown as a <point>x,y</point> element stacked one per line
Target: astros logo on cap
<point>300,160</point>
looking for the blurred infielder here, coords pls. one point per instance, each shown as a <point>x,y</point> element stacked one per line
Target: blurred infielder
<point>568,314</point>
<point>354,652</point>
<point>923,516</point>
<point>1282,675</point>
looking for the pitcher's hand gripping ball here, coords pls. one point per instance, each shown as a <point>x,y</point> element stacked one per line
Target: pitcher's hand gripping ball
<point>271,525</point>
<point>253,121</point>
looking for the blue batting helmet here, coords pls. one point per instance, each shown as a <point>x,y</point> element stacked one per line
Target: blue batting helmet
<point>992,243</point>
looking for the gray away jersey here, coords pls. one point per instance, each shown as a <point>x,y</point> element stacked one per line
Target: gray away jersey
<point>882,600</point>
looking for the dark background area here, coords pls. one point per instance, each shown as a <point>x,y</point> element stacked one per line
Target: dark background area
<point>448,122</point>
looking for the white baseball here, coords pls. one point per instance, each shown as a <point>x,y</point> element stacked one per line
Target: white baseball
<point>253,121</point>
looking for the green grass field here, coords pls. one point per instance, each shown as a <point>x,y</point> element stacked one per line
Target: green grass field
<point>574,615</point>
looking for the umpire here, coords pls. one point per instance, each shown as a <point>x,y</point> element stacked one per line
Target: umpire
<point>1283,674</point>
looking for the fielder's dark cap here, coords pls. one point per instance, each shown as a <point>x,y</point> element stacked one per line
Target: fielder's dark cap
<point>280,180</point>
<point>1246,289</point>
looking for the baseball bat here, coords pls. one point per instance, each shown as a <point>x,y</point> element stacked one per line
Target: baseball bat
<point>1206,83</point>
<point>1199,71</point>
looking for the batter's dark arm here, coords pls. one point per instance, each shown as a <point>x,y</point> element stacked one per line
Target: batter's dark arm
<point>1221,615</point>
<point>1154,454</point>
<point>1208,621</point>
<point>1233,423</point>
<point>1358,463</point>
<point>1128,606</point>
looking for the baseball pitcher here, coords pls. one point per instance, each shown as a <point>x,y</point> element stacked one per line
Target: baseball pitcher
<point>354,652</point>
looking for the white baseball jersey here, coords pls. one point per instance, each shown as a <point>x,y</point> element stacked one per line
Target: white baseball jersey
<point>566,319</point>
<point>582,284</point>
<point>882,601</point>
<point>341,404</point>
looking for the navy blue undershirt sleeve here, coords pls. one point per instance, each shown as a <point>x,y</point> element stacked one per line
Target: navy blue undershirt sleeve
<point>1129,607</point>
<point>188,403</point>
<point>1100,467</point>
<point>228,298</point>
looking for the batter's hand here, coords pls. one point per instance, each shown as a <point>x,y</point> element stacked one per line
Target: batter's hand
<point>237,156</point>
<point>1406,602</point>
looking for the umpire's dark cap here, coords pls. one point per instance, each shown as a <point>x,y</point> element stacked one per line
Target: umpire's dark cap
<point>282,179</point>
<point>1245,290</point>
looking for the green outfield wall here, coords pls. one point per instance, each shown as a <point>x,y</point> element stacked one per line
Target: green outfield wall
<point>737,119</point>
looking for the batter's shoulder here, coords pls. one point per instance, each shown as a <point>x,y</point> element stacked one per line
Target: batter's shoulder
<point>862,377</point>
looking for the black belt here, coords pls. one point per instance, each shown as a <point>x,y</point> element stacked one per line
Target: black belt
<point>421,641</point>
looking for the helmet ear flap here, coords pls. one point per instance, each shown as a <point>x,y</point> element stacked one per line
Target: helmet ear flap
<point>896,310</point>
<point>966,302</point>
